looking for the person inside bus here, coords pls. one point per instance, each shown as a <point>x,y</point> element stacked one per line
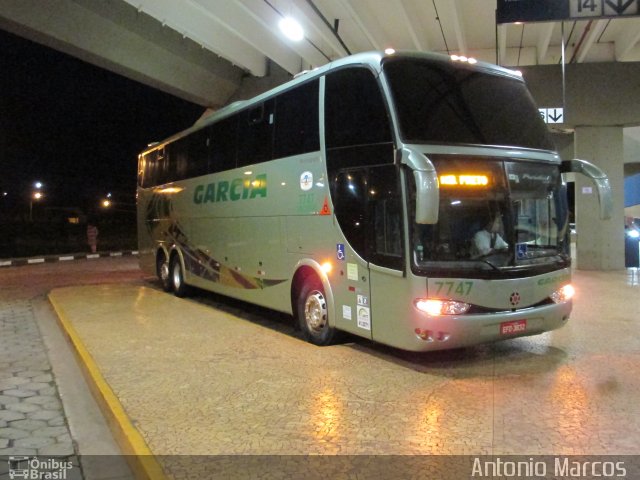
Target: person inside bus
<point>488,240</point>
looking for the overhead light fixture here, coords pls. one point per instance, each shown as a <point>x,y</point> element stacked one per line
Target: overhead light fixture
<point>291,29</point>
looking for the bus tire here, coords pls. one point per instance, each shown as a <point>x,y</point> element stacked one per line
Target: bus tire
<point>162,269</point>
<point>180,289</point>
<point>313,314</point>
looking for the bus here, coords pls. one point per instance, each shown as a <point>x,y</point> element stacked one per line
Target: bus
<point>351,198</point>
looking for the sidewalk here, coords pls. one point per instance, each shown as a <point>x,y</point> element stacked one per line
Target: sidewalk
<point>18,262</point>
<point>46,410</point>
<point>32,420</point>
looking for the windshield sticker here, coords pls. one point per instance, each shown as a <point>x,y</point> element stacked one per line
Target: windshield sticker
<point>363,300</point>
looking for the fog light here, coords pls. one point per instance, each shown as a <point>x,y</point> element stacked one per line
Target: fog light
<point>564,294</point>
<point>437,307</point>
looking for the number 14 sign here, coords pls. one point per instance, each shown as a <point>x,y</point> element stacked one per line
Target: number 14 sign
<point>603,8</point>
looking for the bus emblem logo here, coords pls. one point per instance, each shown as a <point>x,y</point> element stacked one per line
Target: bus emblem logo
<point>306,181</point>
<point>514,299</point>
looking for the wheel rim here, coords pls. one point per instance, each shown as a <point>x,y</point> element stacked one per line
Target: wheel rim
<point>315,312</point>
<point>177,275</point>
<point>164,271</point>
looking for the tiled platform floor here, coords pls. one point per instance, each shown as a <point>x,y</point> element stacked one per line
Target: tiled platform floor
<point>199,380</point>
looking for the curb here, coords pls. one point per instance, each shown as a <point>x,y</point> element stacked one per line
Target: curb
<point>19,262</point>
<point>137,453</point>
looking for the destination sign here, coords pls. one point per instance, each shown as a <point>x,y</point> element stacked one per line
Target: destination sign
<point>510,11</point>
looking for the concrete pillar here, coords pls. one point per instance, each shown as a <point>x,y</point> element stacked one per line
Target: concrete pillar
<point>600,243</point>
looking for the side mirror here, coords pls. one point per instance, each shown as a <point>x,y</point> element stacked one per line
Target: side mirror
<point>600,180</point>
<point>427,190</point>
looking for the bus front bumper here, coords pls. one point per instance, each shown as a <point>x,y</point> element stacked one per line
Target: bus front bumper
<point>455,331</point>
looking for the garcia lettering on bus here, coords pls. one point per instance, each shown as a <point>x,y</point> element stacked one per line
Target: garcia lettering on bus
<point>236,189</point>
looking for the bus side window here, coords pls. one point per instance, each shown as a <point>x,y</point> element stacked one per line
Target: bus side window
<point>148,169</point>
<point>355,112</point>
<point>256,134</point>
<point>198,153</point>
<point>161,170</point>
<point>178,160</point>
<point>349,193</point>
<point>357,130</point>
<point>296,121</point>
<point>369,211</point>
<point>222,139</point>
<point>385,214</point>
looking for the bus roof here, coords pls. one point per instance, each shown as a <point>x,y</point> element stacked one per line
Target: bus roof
<point>373,60</point>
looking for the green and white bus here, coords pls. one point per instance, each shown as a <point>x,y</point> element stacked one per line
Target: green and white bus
<point>352,196</point>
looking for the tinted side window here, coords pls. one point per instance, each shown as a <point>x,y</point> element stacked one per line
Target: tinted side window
<point>177,160</point>
<point>349,190</point>
<point>355,113</point>
<point>223,136</point>
<point>256,134</point>
<point>296,121</point>
<point>145,169</point>
<point>368,208</point>
<point>199,148</point>
<point>385,217</point>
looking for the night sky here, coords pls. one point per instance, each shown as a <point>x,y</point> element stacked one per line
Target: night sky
<point>75,127</point>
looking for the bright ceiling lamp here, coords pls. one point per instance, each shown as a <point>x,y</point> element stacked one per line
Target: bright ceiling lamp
<point>291,29</point>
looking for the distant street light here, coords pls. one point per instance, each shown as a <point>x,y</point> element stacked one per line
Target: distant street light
<point>106,203</point>
<point>35,196</point>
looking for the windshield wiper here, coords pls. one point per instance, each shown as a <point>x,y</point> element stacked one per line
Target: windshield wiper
<point>495,267</point>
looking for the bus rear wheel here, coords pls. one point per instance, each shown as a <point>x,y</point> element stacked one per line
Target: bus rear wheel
<point>162,269</point>
<point>313,314</point>
<point>180,289</point>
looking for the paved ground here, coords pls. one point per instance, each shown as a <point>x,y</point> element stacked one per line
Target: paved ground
<point>45,407</point>
<point>226,379</point>
<point>235,382</point>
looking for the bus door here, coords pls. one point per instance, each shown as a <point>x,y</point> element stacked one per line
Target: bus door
<point>388,282</point>
<point>351,287</point>
<point>368,208</point>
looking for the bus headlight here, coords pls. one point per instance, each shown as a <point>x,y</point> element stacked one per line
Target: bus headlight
<point>564,294</point>
<point>437,307</point>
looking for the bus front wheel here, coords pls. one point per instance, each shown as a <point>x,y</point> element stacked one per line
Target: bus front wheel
<point>313,315</point>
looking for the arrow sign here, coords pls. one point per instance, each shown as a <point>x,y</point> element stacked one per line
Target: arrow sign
<point>555,115</point>
<point>552,115</point>
<point>619,6</point>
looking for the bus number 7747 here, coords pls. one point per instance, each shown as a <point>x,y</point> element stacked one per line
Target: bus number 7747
<point>447,288</point>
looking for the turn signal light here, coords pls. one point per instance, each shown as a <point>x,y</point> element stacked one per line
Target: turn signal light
<point>564,294</point>
<point>435,307</point>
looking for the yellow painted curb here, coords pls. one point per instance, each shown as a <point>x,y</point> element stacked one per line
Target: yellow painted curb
<point>137,452</point>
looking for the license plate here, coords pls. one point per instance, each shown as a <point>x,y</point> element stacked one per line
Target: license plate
<point>513,327</point>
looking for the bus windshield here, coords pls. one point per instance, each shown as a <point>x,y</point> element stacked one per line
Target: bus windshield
<point>444,102</point>
<point>496,217</point>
